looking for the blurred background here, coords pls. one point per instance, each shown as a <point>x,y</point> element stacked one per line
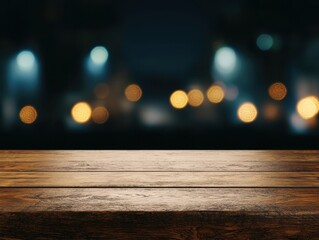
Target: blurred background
<point>177,74</point>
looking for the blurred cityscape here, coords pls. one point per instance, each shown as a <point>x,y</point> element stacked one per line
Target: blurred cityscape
<point>107,74</point>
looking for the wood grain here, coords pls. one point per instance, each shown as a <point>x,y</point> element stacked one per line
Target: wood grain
<point>159,179</point>
<point>269,201</point>
<point>137,160</point>
<point>156,226</point>
<point>159,195</point>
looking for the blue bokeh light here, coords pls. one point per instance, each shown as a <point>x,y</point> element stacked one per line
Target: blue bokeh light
<point>96,62</point>
<point>99,55</point>
<point>265,42</point>
<point>225,60</point>
<point>25,61</point>
<point>23,74</point>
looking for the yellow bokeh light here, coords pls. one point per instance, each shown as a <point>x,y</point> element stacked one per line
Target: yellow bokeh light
<point>133,92</point>
<point>100,115</point>
<point>195,97</point>
<point>28,114</point>
<point>247,112</point>
<point>101,90</point>
<point>81,112</point>
<point>308,107</point>
<point>277,91</point>
<point>215,94</point>
<point>179,99</point>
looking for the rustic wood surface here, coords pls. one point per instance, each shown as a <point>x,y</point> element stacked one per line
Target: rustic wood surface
<point>159,179</point>
<point>159,194</point>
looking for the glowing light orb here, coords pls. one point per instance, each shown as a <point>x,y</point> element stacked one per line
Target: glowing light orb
<point>178,99</point>
<point>195,97</point>
<point>28,114</point>
<point>100,115</point>
<point>25,60</point>
<point>225,60</point>
<point>133,92</point>
<point>99,55</point>
<point>247,112</point>
<point>215,94</point>
<point>277,91</point>
<point>308,107</point>
<point>265,42</point>
<point>81,112</point>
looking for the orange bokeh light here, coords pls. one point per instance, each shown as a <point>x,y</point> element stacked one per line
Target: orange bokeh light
<point>277,91</point>
<point>215,94</point>
<point>195,97</point>
<point>28,114</point>
<point>100,115</point>
<point>133,92</point>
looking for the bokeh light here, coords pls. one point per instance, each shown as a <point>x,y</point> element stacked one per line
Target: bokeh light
<point>298,124</point>
<point>195,97</point>
<point>277,91</point>
<point>23,74</point>
<point>28,114</point>
<point>231,93</point>
<point>100,115</point>
<point>308,107</point>
<point>179,99</point>
<point>133,92</point>
<point>101,91</point>
<point>215,94</point>
<point>154,114</point>
<point>99,55</point>
<point>81,112</point>
<point>225,60</point>
<point>271,112</point>
<point>265,42</point>
<point>247,112</point>
<point>25,60</point>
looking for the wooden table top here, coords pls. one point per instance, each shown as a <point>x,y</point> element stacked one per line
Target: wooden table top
<point>278,185</point>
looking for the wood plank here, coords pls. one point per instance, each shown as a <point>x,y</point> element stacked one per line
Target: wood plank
<point>156,226</point>
<point>252,201</point>
<point>159,194</point>
<point>137,160</point>
<point>159,179</point>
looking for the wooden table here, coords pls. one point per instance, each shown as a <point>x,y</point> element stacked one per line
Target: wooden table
<point>159,195</point>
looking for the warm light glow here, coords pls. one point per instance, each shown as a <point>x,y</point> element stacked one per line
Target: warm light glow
<point>179,99</point>
<point>195,97</point>
<point>133,92</point>
<point>81,112</point>
<point>101,90</point>
<point>28,114</point>
<point>100,115</point>
<point>247,112</point>
<point>277,91</point>
<point>215,94</point>
<point>308,107</point>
